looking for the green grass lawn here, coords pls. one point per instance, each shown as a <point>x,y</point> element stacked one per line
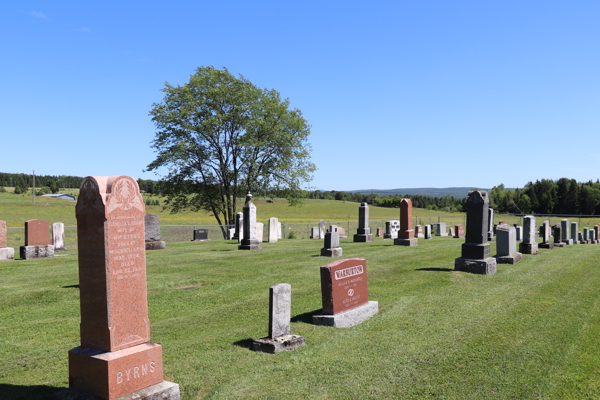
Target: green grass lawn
<point>529,332</point>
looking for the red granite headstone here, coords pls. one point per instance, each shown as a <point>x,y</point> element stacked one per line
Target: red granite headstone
<point>116,356</point>
<point>344,285</point>
<point>36,233</point>
<point>406,231</point>
<point>379,232</point>
<point>3,235</point>
<point>459,231</point>
<point>418,229</point>
<point>597,230</point>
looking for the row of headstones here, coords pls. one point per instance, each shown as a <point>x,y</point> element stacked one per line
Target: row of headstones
<point>561,235</point>
<point>37,243</point>
<point>421,231</point>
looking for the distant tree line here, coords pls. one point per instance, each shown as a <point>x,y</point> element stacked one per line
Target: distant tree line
<point>26,180</point>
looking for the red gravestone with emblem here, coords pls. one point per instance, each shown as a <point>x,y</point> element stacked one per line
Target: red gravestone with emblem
<point>36,233</point>
<point>344,285</point>
<point>459,231</point>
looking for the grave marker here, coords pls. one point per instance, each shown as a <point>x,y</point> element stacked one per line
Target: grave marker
<point>152,233</point>
<point>391,229</point>
<point>58,236</point>
<point>249,241</point>
<point>332,245</point>
<point>459,231</point>
<point>506,245</point>
<point>490,225</point>
<point>406,235</point>
<point>545,232</point>
<point>273,225</point>
<point>200,235</point>
<point>529,244</point>
<point>37,244</point>
<point>440,229</point>
<point>6,253</point>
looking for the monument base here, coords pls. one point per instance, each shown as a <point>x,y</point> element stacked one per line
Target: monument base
<point>568,242</point>
<point>420,235</point>
<point>559,244</point>
<point>112,374</point>
<point>7,253</point>
<point>387,236</point>
<point>528,248</point>
<point>363,238</point>
<point>348,318</point>
<point>164,391</point>
<point>546,245</point>
<point>280,343</point>
<point>406,242</point>
<point>334,252</point>
<point>513,259</point>
<point>442,234</point>
<point>486,266</point>
<point>160,245</point>
<point>249,244</point>
<point>29,252</point>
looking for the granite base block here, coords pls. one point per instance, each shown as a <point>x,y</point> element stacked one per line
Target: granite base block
<point>406,242</point>
<point>387,236</point>
<point>280,343</point>
<point>559,244</point>
<point>161,391</point>
<point>249,245</point>
<point>568,242</point>
<point>160,245</point>
<point>29,252</point>
<point>334,252</point>
<point>513,259</point>
<point>363,238</point>
<point>528,248</point>
<point>486,266</point>
<point>420,235</point>
<point>348,318</point>
<point>546,245</point>
<point>7,253</point>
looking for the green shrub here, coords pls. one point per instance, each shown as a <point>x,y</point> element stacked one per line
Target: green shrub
<point>17,190</point>
<point>43,190</point>
<point>292,235</point>
<point>2,189</point>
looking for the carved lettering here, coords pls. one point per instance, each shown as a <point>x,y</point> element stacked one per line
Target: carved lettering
<point>145,369</point>
<point>152,363</point>
<point>136,372</point>
<point>119,377</point>
<point>128,372</point>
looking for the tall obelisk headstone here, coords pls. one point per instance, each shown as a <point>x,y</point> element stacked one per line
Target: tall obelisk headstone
<point>250,241</point>
<point>406,234</point>
<point>116,356</point>
<point>529,244</point>
<point>475,251</point>
<point>6,253</point>
<point>363,233</point>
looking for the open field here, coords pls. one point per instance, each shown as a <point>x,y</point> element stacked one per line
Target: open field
<point>530,331</point>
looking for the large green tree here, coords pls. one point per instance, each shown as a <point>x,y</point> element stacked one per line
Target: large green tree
<point>219,137</point>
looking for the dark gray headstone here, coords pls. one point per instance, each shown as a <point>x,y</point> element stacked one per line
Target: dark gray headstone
<point>151,228</point>
<point>200,234</point>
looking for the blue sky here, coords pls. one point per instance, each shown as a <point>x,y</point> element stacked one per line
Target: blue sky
<point>399,94</point>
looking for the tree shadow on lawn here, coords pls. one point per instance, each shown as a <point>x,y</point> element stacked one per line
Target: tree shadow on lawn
<point>435,269</point>
<point>18,392</point>
<point>306,317</point>
<point>244,343</point>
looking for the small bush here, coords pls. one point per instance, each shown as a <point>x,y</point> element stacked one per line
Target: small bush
<point>17,190</point>
<point>43,190</point>
<point>2,189</point>
<point>292,235</point>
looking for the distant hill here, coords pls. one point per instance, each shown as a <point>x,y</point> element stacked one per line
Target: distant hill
<point>456,192</point>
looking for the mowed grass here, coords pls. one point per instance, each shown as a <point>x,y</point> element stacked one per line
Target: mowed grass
<point>530,331</point>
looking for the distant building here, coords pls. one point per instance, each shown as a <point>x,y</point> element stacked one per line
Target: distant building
<point>61,196</point>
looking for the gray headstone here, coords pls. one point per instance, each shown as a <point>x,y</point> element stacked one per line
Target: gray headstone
<point>506,240</point>
<point>564,230</point>
<point>332,245</point>
<point>581,237</point>
<point>519,232</point>
<point>441,229</point>
<point>200,234</point>
<point>230,233</point>
<point>315,233</point>
<point>280,309</point>
<point>574,229</point>
<point>151,228</point>
<point>249,241</point>
<point>529,229</point>
<point>427,231</point>
<point>586,234</point>
<point>332,228</point>
<point>239,226</point>
<point>322,229</point>
<point>273,234</point>
<point>363,233</point>
<point>278,229</point>
<point>557,233</point>
<point>546,232</point>
<point>58,236</point>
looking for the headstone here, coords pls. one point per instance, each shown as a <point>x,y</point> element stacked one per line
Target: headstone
<point>574,229</point>
<point>315,233</point>
<point>341,231</point>
<point>593,238</point>
<point>557,232</point>
<point>332,228</point>
<point>450,231</point>
<point>332,245</point>
<point>363,233</point>
<point>419,231</point>
<point>581,241</point>
<point>459,231</point>
<point>564,231</point>
<point>278,229</point>
<point>596,232</point>
<point>586,235</point>
<point>519,233</point>
<point>280,313</point>
<point>6,253</point>
<point>200,235</point>
<point>152,233</point>
<point>321,229</point>
<point>344,291</point>
<point>529,244</point>
<point>58,236</point>
<point>441,229</point>
<point>273,226</point>
<point>379,232</point>
<point>260,231</point>
<point>37,244</point>
<point>116,357</point>
<point>249,241</point>
<point>427,232</point>
<point>475,251</point>
<point>239,227</point>
<point>506,245</point>
<point>490,224</point>
<point>391,229</point>
<point>230,233</point>
<point>545,233</point>
<point>406,234</point>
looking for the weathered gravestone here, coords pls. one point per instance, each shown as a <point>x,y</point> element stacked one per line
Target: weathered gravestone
<point>321,229</point>
<point>450,231</point>
<point>596,232</point>
<point>529,244</point>
<point>490,228</point>
<point>581,241</point>
<point>345,294</point>
<point>6,253</point>
<point>518,232</point>
<point>506,245</point>
<point>249,241</point>
<point>280,312</point>
<point>556,231</point>
<point>200,235</point>
<point>363,233</point>
<point>391,229</point>
<point>593,238</point>
<point>230,233</point>
<point>428,232</point>
<point>152,233</point>
<point>419,231</point>
<point>278,229</point>
<point>341,231</point>
<point>332,245</point>
<point>440,229</point>
<point>459,231</point>
<point>545,233</point>
<point>37,244</point>
<point>273,226</point>
<point>586,235</point>
<point>315,233</point>
<point>239,227</point>
<point>475,251</point>
<point>564,231</point>
<point>379,232</point>
<point>260,231</point>
<point>116,357</point>
<point>406,235</point>
<point>58,236</point>
<point>574,229</point>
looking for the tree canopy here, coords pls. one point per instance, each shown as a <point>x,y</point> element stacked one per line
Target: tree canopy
<point>219,136</point>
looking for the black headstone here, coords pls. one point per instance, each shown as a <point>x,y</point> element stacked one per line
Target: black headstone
<point>200,234</point>
<point>476,243</point>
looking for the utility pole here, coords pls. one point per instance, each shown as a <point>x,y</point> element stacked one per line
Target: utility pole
<point>33,190</point>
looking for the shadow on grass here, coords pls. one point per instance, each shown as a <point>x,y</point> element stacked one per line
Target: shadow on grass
<point>244,343</point>
<point>306,317</point>
<point>71,286</point>
<point>18,392</point>
<point>435,269</point>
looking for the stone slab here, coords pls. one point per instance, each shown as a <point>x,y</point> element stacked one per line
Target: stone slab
<point>161,391</point>
<point>334,252</point>
<point>58,236</point>
<point>548,245</point>
<point>528,248</point>
<point>559,244</point>
<point>280,310</point>
<point>36,232</point>
<point>358,238</point>
<point>405,242</point>
<point>511,259</point>
<point>344,285</point>
<point>7,253</point>
<point>348,318</point>
<point>160,245</point>
<point>485,266</point>
<point>278,344</point>
<point>151,228</point>
<point>568,242</point>
<point>29,252</point>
